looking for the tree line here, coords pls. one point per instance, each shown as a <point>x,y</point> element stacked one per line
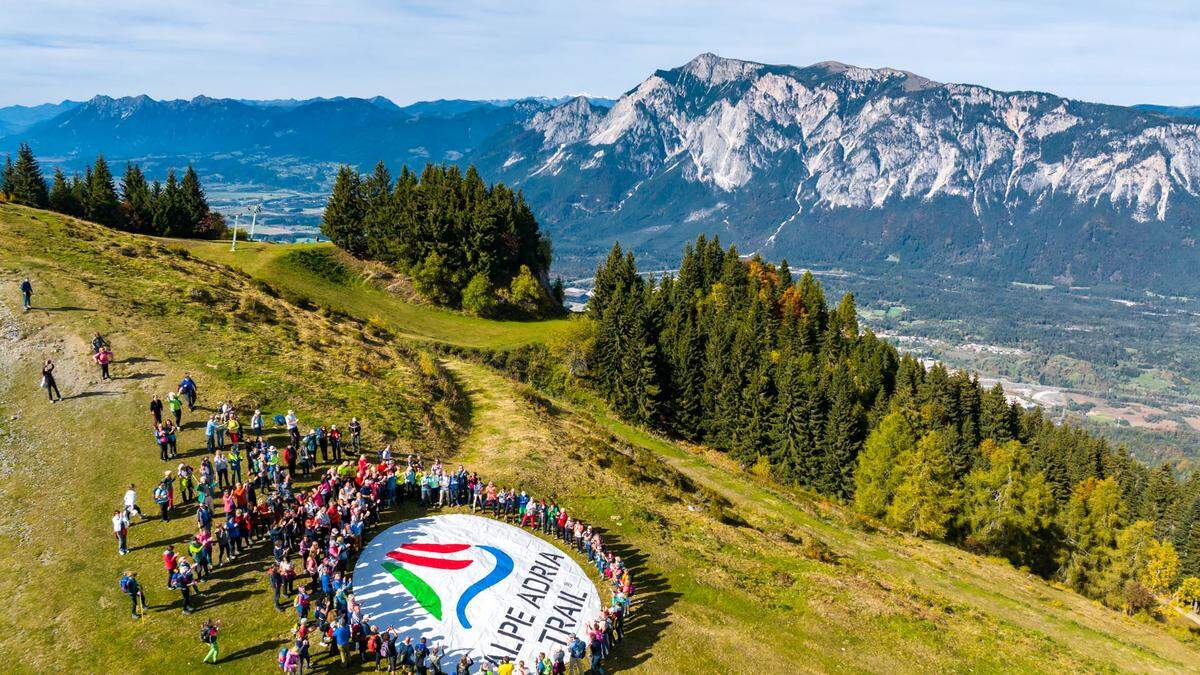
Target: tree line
<point>463,242</point>
<point>176,208</point>
<point>737,354</point>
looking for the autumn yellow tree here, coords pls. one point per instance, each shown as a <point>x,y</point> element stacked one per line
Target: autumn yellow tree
<point>1162,566</point>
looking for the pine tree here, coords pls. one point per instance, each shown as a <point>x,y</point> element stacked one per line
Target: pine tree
<point>168,215</point>
<point>6,179</point>
<point>62,197</point>
<point>27,185</point>
<point>193,204</point>
<point>342,221</point>
<point>995,419</point>
<point>135,201</point>
<point>102,205</point>
<point>843,436</point>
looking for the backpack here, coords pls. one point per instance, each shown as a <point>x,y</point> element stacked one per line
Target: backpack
<point>125,585</point>
<point>206,635</point>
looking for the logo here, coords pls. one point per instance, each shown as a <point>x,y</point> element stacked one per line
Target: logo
<point>476,586</point>
<point>408,555</point>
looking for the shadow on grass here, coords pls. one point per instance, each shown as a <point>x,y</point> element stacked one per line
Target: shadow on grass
<point>66,308</point>
<point>141,376</point>
<point>648,615</point>
<point>263,647</point>
<point>137,359</point>
<point>90,394</point>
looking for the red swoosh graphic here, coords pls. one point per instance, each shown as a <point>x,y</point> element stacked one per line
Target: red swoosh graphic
<point>436,563</point>
<point>436,548</point>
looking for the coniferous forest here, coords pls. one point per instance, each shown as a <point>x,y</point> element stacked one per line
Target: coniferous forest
<point>463,242</point>
<point>176,208</point>
<point>735,354</point>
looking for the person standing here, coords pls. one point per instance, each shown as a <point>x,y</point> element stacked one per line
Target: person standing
<point>103,357</point>
<point>210,433</point>
<point>48,381</point>
<point>578,650</point>
<point>129,584</point>
<point>355,435</point>
<point>131,506</point>
<point>293,427</point>
<point>208,635</point>
<point>97,342</point>
<point>187,388</point>
<point>156,408</point>
<point>176,406</point>
<point>256,425</point>
<point>163,499</point>
<point>120,524</point>
<point>26,292</point>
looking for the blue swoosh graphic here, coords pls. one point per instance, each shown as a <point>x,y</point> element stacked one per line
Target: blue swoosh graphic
<point>504,567</point>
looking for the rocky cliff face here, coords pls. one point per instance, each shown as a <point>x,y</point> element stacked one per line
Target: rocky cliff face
<point>834,162</point>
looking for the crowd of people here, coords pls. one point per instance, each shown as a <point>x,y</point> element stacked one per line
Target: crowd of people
<point>245,491</point>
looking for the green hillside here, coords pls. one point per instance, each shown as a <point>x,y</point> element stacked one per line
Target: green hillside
<point>734,574</point>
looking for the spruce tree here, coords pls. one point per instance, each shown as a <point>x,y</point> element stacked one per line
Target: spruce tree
<point>62,197</point>
<point>102,205</point>
<point>342,221</point>
<point>27,185</point>
<point>6,179</point>
<point>843,436</point>
<point>193,204</point>
<point>135,201</point>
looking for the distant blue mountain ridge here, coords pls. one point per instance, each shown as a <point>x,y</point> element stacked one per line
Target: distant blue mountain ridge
<point>825,164</point>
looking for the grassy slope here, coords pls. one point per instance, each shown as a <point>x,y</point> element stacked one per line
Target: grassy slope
<point>718,596</point>
<point>271,262</point>
<point>930,603</point>
<point>64,466</point>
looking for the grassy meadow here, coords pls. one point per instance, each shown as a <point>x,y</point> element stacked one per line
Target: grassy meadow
<point>734,574</point>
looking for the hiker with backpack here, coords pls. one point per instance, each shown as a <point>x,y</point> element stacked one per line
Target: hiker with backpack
<point>187,389</point>
<point>130,586</point>
<point>209,631</point>
<point>162,497</point>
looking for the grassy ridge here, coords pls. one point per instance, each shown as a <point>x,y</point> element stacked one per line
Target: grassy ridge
<point>735,575</point>
<point>307,270</point>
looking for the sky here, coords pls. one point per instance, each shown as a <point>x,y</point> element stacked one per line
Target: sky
<point>1101,50</point>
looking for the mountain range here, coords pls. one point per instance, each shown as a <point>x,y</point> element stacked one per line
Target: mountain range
<point>828,164</point>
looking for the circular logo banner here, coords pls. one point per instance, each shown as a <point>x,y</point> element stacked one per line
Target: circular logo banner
<point>476,585</point>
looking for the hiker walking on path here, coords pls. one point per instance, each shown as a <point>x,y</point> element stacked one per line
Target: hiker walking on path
<point>98,342</point>
<point>187,389</point>
<point>26,293</point>
<point>208,635</point>
<point>48,381</point>
<point>129,584</point>
<point>103,357</point>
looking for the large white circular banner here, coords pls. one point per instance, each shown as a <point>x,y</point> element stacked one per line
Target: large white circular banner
<point>475,585</point>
